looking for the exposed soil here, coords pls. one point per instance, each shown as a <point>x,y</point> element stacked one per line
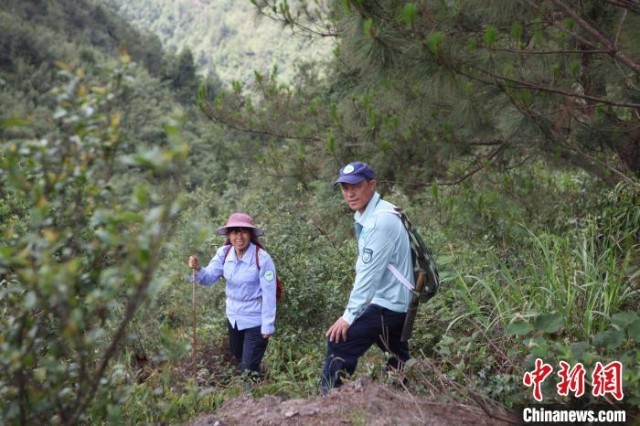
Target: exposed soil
<point>361,402</point>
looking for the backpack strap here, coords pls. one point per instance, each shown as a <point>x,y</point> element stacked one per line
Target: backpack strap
<point>403,280</point>
<point>400,277</point>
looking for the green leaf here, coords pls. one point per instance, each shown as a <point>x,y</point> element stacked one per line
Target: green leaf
<point>105,236</point>
<point>394,122</point>
<point>434,42</point>
<point>569,23</point>
<point>548,323</point>
<point>575,68</point>
<point>527,97</point>
<point>30,300</point>
<point>409,14</point>
<point>624,319</point>
<point>468,89</point>
<point>141,194</point>
<point>40,374</point>
<point>368,28</point>
<point>13,122</point>
<point>331,145</point>
<point>579,349</point>
<point>152,159</point>
<point>610,339</point>
<point>472,44</point>
<point>634,330</point>
<point>516,31</point>
<point>518,328</point>
<point>490,35</point>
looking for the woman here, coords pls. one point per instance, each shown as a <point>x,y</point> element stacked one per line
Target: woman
<point>251,288</point>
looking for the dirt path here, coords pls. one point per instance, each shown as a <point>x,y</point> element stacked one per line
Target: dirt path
<point>362,402</point>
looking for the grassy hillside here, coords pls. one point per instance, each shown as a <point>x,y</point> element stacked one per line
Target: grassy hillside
<point>110,178</point>
<point>225,36</point>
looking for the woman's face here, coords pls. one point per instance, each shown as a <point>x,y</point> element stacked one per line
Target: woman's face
<point>240,238</point>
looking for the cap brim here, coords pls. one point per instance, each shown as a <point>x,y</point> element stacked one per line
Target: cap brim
<point>351,179</point>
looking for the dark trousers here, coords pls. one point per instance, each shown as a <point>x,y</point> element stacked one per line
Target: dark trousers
<point>377,325</point>
<point>247,346</point>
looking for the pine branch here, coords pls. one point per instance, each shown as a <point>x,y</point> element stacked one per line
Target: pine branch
<point>613,49</point>
<point>629,5</point>
<point>209,111</point>
<point>548,52</point>
<point>520,84</point>
<point>269,9</point>
<point>569,153</point>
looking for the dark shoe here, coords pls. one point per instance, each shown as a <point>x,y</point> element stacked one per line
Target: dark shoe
<point>323,388</point>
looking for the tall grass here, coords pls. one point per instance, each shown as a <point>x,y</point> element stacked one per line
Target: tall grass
<point>572,295</point>
<point>579,277</point>
<point>576,277</point>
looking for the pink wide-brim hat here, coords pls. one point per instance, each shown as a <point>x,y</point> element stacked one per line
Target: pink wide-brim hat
<point>240,220</point>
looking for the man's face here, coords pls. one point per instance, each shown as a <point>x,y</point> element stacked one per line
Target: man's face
<point>358,195</point>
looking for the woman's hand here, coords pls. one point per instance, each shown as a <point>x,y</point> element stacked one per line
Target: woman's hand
<point>266,336</point>
<point>193,263</point>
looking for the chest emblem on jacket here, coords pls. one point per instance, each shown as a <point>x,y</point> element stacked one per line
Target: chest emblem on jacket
<point>367,254</point>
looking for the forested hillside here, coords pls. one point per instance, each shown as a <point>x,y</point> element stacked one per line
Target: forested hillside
<point>508,131</point>
<point>226,36</point>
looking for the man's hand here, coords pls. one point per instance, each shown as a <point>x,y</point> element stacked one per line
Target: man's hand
<point>338,331</point>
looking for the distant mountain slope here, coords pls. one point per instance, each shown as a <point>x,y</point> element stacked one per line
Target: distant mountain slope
<point>35,34</point>
<point>39,31</point>
<point>225,36</point>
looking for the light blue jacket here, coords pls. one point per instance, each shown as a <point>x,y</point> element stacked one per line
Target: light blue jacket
<point>251,293</point>
<point>382,240</point>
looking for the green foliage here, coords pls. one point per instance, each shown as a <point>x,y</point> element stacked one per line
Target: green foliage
<point>182,77</point>
<point>566,296</point>
<point>86,259</point>
<point>537,259</point>
<point>412,64</point>
<point>434,42</point>
<point>409,14</point>
<point>31,26</point>
<point>225,36</point>
<point>490,35</point>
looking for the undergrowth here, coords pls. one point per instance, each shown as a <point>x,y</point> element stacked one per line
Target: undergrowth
<point>534,290</point>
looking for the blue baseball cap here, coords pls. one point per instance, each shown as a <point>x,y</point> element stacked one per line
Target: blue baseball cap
<point>354,173</point>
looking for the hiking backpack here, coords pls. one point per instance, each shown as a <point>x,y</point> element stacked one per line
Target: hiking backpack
<point>279,283</point>
<point>424,267</point>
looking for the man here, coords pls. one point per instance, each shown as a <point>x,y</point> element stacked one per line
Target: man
<point>378,302</point>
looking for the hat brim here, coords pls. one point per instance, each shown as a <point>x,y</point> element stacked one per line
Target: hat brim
<point>256,231</point>
<point>350,179</point>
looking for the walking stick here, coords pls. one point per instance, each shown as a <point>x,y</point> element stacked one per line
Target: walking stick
<point>195,324</point>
